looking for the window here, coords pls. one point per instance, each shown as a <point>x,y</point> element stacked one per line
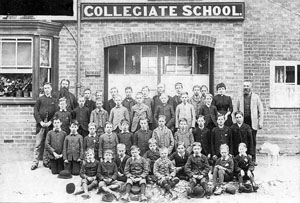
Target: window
<point>285,84</point>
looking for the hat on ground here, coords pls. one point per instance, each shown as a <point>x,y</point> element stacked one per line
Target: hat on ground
<point>135,189</point>
<point>65,174</point>
<point>230,189</point>
<point>198,192</point>
<point>246,188</point>
<point>108,197</point>
<point>70,188</point>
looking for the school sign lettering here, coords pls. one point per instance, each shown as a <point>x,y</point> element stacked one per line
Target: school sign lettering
<point>162,11</point>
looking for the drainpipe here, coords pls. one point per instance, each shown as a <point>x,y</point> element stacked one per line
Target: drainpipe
<point>78,82</point>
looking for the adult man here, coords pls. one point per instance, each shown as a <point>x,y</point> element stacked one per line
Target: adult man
<point>64,92</point>
<point>157,101</point>
<point>177,97</point>
<point>253,110</point>
<point>44,110</point>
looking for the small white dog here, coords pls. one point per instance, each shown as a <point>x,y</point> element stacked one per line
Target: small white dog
<point>272,150</point>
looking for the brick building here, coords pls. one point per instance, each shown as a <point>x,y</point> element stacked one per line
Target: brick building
<point>263,47</point>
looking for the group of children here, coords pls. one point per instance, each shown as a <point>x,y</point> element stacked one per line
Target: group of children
<point>135,142</point>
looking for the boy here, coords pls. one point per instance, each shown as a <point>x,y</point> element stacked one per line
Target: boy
<point>196,100</point>
<point>88,174</point>
<point>185,110</point>
<point>244,167</point>
<point>108,140</point>
<point>107,175</point>
<point>54,145</point>
<point>180,158</point>
<point>89,103</point>
<point>121,161</point>
<point>64,116</point>
<point>209,112</point>
<point>73,150</point>
<point>82,115</point>
<point>163,135</point>
<point>197,169</point>
<point>99,116</point>
<point>151,156</point>
<point>165,172</point>
<point>118,113</point>
<point>125,136</point>
<point>202,135</point>
<point>128,102</point>
<point>92,140</point>
<point>136,170</point>
<point>223,170</point>
<point>241,132</point>
<point>177,97</point>
<point>138,111</point>
<point>156,99</point>
<point>99,95</point>
<point>184,135</point>
<point>141,137</point>
<point>147,100</point>
<point>111,103</point>
<point>166,110</point>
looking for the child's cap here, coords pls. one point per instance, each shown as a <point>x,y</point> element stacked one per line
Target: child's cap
<point>108,151</point>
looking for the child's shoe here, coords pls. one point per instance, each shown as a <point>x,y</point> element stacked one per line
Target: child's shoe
<point>219,190</point>
<point>125,197</point>
<point>143,198</point>
<point>255,188</point>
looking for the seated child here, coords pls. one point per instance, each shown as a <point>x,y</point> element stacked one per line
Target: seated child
<point>141,137</point>
<point>244,167</point>
<point>64,116</point>
<point>184,135</point>
<point>54,145</point>
<point>165,172</point>
<point>88,173</point>
<point>136,170</point>
<point>73,150</point>
<point>92,140</point>
<point>197,169</point>
<point>107,174</point>
<point>151,156</point>
<point>163,135</point>
<point>99,116</point>
<point>202,135</point>
<point>223,170</point>
<point>180,158</point>
<point>108,140</point>
<point>125,136</point>
<point>121,161</point>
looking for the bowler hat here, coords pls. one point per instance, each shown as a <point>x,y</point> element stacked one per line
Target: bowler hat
<point>135,189</point>
<point>198,192</point>
<point>70,188</point>
<point>230,189</point>
<point>108,197</point>
<point>65,174</point>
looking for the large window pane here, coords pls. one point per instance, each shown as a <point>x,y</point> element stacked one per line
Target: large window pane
<point>298,74</point>
<point>290,74</point>
<point>202,58</point>
<point>167,59</point>
<point>279,74</point>
<point>149,59</point>
<point>184,60</point>
<point>24,54</point>
<point>116,60</point>
<point>133,59</point>
<point>8,53</point>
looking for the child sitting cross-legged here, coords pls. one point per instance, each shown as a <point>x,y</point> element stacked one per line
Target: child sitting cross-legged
<point>121,161</point>
<point>180,158</point>
<point>151,156</point>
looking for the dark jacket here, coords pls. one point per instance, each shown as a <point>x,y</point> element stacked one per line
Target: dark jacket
<point>91,142</point>
<point>82,115</point>
<point>127,139</point>
<point>90,104</point>
<point>45,107</point>
<point>210,114</point>
<point>168,111</point>
<point>224,104</point>
<point>121,164</point>
<point>110,105</point>
<point>179,161</point>
<point>228,164</point>
<point>203,136</point>
<point>107,170</point>
<point>244,163</point>
<point>197,165</point>
<point>55,142</point>
<point>220,136</point>
<point>157,102</point>
<point>73,147</point>
<point>136,167</point>
<point>88,169</point>
<point>128,103</point>
<point>242,134</point>
<point>141,138</point>
<point>65,117</point>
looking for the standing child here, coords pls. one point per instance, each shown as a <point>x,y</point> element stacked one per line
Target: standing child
<point>177,97</point>
<point>196,99</point>
<point>136,170</point>
<point>99,116</point>
<point>151,156</point>
<point>165,109</point>
<point>125,136</point>
<point>128,102</point>
<point>138,111</point>
<point>202,135</point>
<point>54,145</point>
<point>99,95</point>
<point>111,103</point>
<point>121,161</point>
<point>185,110</point>
<point>117,114</point>
<point>64,116</point>
<point>146,99</point>
<point>89,103</point>
<point>223,170</point>
<point>165,172</point>
<point>209,112</point>
<point>92,140</point>
<point>142,136</point>
<point>108,140</point>
<point>184,135</point>
<point>73,150</point>
<point>180,158</point>
<point>82,115</point>
<point>163,135</point>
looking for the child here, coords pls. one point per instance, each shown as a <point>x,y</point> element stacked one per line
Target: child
<point>82,115</point>
<point>151,156</point>
<point>111,103</point>
<point>121,161</point>
<point>209,112</point>
<point>125,136</point>
<point>98,95</point>
<point>108,140</point>
<point>197,168</point>
<point>180,158</point>
<point>54,145</point>
<point>165,172</point>
<point>241,132</point>
<point>163,135</point>
<point>177,97</point>
<point>107,175</point>
<point>73,150</point>
<point>141,137</point>
<point>166,110</point>
<point>139,111</point>
<point>146,99</point>
<point>89,103</point>
<point>99,116</point>
<point>128,102</point>
<point>244,167</point>
<point>117,114</point>
<point>220,135</point>
<point>196,100</point>
<point>88,173</point>
<point>184,135</point>
<point>92,140</point>
<point>64,116</point>
<point>223,170</point>
<point>185,110</point>
<point>202,135</point>
<point>136,170</point>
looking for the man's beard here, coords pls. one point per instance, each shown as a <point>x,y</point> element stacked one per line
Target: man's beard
<point>64,92</point>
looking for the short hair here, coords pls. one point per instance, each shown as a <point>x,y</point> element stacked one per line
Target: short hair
<point>139,93</point>
<point>152,141</point>
<point>108,151</point>
<point>163,95</point>
<point>87,89</point>
<point>99,100</point>
<point>224,146</point>
<point>63,99</point>
<point>182,120</point>
<point>56,118</point>
<point>196,86</point>
<point>92,124</point>
<point>200,116</point>
<point>144,118</point>
<point>89,150</point>
<point>220,115</point>
<point>220,85</point>
<point>163,149</point>
<point>74,122</point>
<point>128,88</point>
<point>243,145</point>
<point>196,144</point>
<point>108,123</point>
<point>118,96</point>
<point>208,95</point>
<point>121,146</point>
<point>178,84</point>
<point>98,91</point>
<point>124,120</point>
<point>162,116</point>
<point>204,86</point>
<point>81,97</point>
<point>47,83</point>
<point>114,88</point>
<point>238,112</point>
<point>180,143</point>
<point>134,147</point>
<point>68,81</point>
<point>146,87</point>
<point>185,93</point>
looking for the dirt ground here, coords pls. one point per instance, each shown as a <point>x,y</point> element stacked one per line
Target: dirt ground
<point>19,184</point>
